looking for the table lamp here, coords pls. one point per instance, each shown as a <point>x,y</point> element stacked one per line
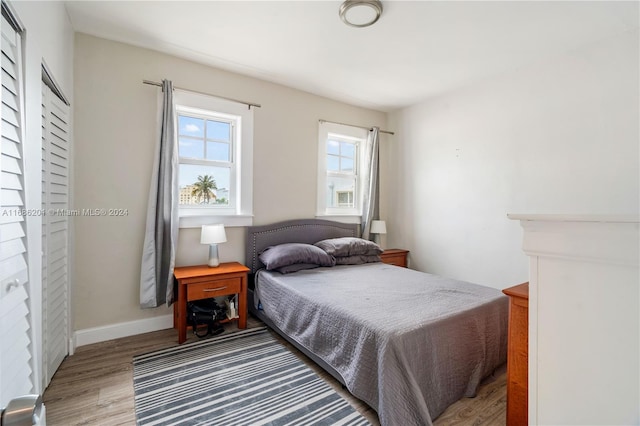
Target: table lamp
<point>378,227</point>
<point>213,235</point>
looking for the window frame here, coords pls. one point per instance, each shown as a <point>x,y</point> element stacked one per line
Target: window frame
<point>341,133</point>
<point>239,211</point>
<point>234,122</point>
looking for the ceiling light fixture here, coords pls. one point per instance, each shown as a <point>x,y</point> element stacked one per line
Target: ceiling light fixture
<point>360,13</point>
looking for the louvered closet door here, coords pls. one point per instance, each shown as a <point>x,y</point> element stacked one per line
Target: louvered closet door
<point>15,332</point>
<point>55,230</point>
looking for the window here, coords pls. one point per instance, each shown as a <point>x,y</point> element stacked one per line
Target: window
<point>342,173</point>
<point>215,146</point>
<point>206,146</point>
<point>345,198</point>
<point>340,156</point>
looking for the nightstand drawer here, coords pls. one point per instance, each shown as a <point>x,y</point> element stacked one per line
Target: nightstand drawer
<point>398,260</point>
<point>215,288</point>
<point>397,257</point>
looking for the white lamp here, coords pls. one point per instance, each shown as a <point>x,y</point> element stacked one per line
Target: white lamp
<point>378,227</point>
<point>213,235</point>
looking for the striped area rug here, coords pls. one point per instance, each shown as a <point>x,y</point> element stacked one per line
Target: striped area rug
<point>244,378</point>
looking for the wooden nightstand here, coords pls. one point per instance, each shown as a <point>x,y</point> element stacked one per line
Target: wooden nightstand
<point>518,355</point>
<point>396,257</point>
<point>203,282</point>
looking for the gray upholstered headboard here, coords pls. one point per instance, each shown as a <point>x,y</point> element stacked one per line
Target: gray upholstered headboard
<point>306,231</point>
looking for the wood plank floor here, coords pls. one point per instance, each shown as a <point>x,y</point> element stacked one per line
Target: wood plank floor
<point>95,386</point>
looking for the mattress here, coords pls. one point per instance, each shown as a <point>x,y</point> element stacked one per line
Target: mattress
<point>407,343</point>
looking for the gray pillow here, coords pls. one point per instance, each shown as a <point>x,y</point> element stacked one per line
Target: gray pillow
<point>275,257</point>
<point>358,259</point>
<point>349,246</point>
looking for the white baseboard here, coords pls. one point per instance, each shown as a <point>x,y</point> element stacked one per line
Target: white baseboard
<point>123,329</point>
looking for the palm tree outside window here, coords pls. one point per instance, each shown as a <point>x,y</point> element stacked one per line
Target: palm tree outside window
<point>203,189</point>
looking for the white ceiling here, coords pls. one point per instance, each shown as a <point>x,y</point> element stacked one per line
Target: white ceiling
<point>416,50</point>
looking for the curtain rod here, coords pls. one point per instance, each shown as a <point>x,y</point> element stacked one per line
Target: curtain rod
<point>353,125</point>
<point>249,104</point>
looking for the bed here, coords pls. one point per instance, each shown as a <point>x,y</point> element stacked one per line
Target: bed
<point>407,343</point>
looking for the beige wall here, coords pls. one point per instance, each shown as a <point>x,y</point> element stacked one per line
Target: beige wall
<point>560,136</point>
<point>115,122</point>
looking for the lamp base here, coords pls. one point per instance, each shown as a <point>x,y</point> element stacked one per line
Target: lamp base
<point>213,256</point>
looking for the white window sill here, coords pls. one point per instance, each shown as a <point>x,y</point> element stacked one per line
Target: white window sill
<point>196,221</point>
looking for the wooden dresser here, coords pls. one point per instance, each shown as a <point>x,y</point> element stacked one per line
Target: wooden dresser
<point>517,355</point>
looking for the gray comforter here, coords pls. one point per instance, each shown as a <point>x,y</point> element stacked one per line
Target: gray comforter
<point>407,343</point>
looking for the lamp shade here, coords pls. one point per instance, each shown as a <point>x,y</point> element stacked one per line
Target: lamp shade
<point>378,227</point>
<point>213,234</point>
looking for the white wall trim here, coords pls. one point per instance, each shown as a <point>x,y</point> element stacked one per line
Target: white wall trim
<point>571,238</point>
<point>123,329</point>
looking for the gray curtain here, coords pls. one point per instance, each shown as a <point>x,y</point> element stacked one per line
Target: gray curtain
<point>371,189</point>
<point>160,239</point>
